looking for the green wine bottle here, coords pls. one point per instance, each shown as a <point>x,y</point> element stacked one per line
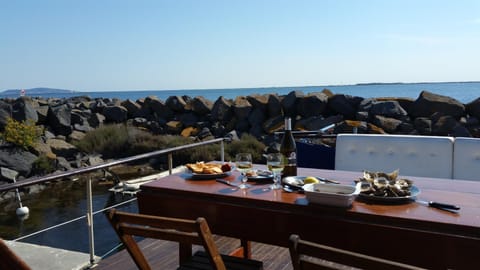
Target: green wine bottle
<point>289,150</point>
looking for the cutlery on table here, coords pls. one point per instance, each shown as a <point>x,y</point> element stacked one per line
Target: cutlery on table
<point>226,182</point>
<point>438,205</point>
<point>328,180</point>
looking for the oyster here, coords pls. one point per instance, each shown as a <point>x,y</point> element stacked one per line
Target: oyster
<point>384,184</point>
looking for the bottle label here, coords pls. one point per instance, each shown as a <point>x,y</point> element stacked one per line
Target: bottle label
<point>292,159</point>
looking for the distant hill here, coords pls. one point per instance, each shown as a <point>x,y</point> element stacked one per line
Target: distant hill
<point>36,91</point>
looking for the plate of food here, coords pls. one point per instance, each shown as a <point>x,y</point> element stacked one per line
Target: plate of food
<point>259,175</point>
<point>386,187</point>
<point>202,170</point>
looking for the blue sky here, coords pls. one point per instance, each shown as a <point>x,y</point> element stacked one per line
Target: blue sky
<point>101,45</point>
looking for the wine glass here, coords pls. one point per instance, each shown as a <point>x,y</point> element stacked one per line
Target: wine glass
<point>243,162</point>
<point>275,164</point>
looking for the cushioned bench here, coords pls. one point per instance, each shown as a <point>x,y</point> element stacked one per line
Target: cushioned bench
<point>466,158</point>
<point>429,156</point>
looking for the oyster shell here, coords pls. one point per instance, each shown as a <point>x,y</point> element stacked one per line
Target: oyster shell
<point>384,184</point>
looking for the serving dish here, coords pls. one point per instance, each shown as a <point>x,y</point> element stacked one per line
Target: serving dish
<point>206,176</point>
<point>414,191</point>
<point>260,176</point>
<point>331,194</point>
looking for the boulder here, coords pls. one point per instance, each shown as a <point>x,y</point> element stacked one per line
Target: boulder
<point>62,148</point>
<point>428,103</point>
<point>289,103</point>
<point>473,108</point>
<point>132,107</point>
<point>157,108</point>
<point>259,102</point>
<point>222,110</point>
<point>59,119</point>
<point>115,114</point>
<point>241,108</point>
<point>24,109</point>
<point>256,117</point>
<point>390,109</point>
<point>96,120</point>
<point>176,103</point>
<point>313,104</point>
<point>390,125</point>
<point>5,114</point>
<point>274,106</point>
<point>201,105</point>
<point>423,125</point>
<point>174,127</point>
<point>345,105</point>
<point>274,124</point>
<point>444,125</point>
<point>17,159</point>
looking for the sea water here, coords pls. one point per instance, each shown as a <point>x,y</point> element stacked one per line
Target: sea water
<point>464,92</point>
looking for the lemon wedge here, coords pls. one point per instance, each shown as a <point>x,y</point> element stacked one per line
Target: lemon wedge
<point>311,180</point>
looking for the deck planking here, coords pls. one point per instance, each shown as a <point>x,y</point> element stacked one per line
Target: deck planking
<point>164,255</point>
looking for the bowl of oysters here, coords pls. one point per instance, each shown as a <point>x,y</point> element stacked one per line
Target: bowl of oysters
<point>386,187</point>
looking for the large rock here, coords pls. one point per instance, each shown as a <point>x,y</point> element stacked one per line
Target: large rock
<point>274,106</point>
<point>345,105</point>
<point>241,107</point>
<point>17,159</point>
<point>5,113</point>
<point>390,125</point>
<point>132,107</point>
<point>391,109</point>
<point>59,118</point>
<point>24,109</point>
<point>473,108</point>
<point>115,114</point>
<point>222,110</point>
<point>289,103</point>
<point>313,104</point>
<point>176,103</point>
<point>62,148</point>
<point>201,105</point>
<point>429,103</point>
<point>157,108</point>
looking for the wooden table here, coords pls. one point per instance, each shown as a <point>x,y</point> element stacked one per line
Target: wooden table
<point>409,232</point>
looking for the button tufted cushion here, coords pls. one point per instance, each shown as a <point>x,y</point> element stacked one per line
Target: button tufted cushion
<point>466,158</point>
<point>429,156</point>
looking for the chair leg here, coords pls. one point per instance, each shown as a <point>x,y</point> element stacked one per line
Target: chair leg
<point>184,252</point>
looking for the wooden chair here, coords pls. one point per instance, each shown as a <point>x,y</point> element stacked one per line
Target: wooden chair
<point>312,256</point>
<point>10,260</point>
<point>185,232</point>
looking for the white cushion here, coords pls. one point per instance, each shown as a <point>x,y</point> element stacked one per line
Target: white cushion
<point>429,156</point>
<point>466,158</point>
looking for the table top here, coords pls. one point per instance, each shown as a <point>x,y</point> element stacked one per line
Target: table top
<point>465,194</point>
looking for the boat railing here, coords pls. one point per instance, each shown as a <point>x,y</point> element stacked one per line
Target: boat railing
<point>103,166</point>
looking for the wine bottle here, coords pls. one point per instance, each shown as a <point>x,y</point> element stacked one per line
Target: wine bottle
<point>289,150</point>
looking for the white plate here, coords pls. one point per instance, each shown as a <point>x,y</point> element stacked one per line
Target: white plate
<point>206,176</point>
<point>331,194</point>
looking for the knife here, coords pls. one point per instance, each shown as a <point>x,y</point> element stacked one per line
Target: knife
<point>226,182</point>
<point>328,180</point>
<point>442,206</point>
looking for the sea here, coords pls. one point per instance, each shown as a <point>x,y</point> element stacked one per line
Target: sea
<point>464,92</point>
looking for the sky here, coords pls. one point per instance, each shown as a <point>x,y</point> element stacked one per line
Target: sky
<point>116,45</point>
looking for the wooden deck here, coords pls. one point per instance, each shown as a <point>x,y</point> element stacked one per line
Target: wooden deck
<point>164,255</point>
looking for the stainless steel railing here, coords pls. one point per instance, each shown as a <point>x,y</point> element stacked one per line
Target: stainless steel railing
<point>89,215</point>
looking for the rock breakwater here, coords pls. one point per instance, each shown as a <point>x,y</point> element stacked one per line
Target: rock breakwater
<point>68,119</point>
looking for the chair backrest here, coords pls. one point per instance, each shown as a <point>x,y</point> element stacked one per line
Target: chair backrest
<point>10,260</point>
<point>185,232</point>
<point>307,255</point>
<point>466,158</point>
<point>428,156</point>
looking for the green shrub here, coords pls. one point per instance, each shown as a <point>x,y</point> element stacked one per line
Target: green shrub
<point>246,144</point>
<point>24,134</point>
<point>111,141</point>
<point>43,165</point>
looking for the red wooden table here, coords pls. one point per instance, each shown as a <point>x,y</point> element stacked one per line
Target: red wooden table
<point>408,232</point>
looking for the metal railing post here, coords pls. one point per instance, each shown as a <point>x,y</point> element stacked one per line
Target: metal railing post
<point>170,163</point>
<point>90,221</point>
<point>222,152</point>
